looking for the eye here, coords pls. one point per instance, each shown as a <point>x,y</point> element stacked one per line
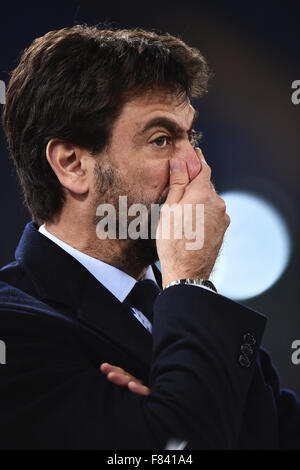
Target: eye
<point>160,141</point>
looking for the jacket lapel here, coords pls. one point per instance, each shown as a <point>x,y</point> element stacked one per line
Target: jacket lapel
<point>60,280</point>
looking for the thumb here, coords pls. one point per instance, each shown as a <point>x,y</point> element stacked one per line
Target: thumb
<point>179,179</point>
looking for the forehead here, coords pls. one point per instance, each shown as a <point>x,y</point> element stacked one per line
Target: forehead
<point>137,111</point>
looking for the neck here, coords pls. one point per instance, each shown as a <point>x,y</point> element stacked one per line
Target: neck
<point>121,254</point>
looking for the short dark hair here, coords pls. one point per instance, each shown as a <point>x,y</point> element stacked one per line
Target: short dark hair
<point>72,84</point>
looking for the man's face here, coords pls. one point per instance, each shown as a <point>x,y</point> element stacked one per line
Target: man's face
<point>149,132</point>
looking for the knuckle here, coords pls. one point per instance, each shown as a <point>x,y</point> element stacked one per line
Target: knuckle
<point>179,184</point>
<point>208,170</point>
<point>206,190</point>
<point>221,204</point>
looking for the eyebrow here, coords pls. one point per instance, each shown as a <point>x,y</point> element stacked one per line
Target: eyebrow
<point>168,124</point>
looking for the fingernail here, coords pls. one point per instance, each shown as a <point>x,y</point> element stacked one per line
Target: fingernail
<point>174,165</point>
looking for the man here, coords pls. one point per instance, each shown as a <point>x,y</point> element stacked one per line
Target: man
<point>92,116</point>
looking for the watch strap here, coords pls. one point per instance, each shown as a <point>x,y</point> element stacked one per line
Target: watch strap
<point>195,282</point>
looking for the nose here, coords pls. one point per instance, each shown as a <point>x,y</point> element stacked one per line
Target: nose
<point>187,153</point>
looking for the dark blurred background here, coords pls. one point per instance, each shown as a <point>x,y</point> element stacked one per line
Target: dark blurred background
<point>250,125</point>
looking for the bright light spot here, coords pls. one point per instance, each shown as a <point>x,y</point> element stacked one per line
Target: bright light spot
<point>256,247</point>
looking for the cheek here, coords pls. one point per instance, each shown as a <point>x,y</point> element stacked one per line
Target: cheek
<point>156,177</point>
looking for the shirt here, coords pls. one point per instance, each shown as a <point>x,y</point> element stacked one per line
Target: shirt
<point>115,280</point>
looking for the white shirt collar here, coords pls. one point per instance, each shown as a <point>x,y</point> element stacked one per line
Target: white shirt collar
<point>115,280</point>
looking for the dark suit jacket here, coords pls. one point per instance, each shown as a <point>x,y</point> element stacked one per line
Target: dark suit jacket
<point>208,386</point>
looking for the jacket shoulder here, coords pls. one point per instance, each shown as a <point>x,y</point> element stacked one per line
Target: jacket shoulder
<point>14,299</point>
<point>14,275</point>
<point>22,315</point>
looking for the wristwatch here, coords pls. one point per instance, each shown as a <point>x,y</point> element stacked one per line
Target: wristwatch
<point>193,282</point>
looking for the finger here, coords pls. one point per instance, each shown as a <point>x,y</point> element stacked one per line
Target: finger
<point>138,388</point>
<point>179,179</point>
<point>119,379</point>
<point>193,164</point>
<point>106,368</point>
<point>205,173</point>
<point>123,381</point>
<point>213,186</point>
<point>117,374</point>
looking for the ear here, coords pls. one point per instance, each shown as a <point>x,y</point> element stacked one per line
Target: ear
<point>70,164</point>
